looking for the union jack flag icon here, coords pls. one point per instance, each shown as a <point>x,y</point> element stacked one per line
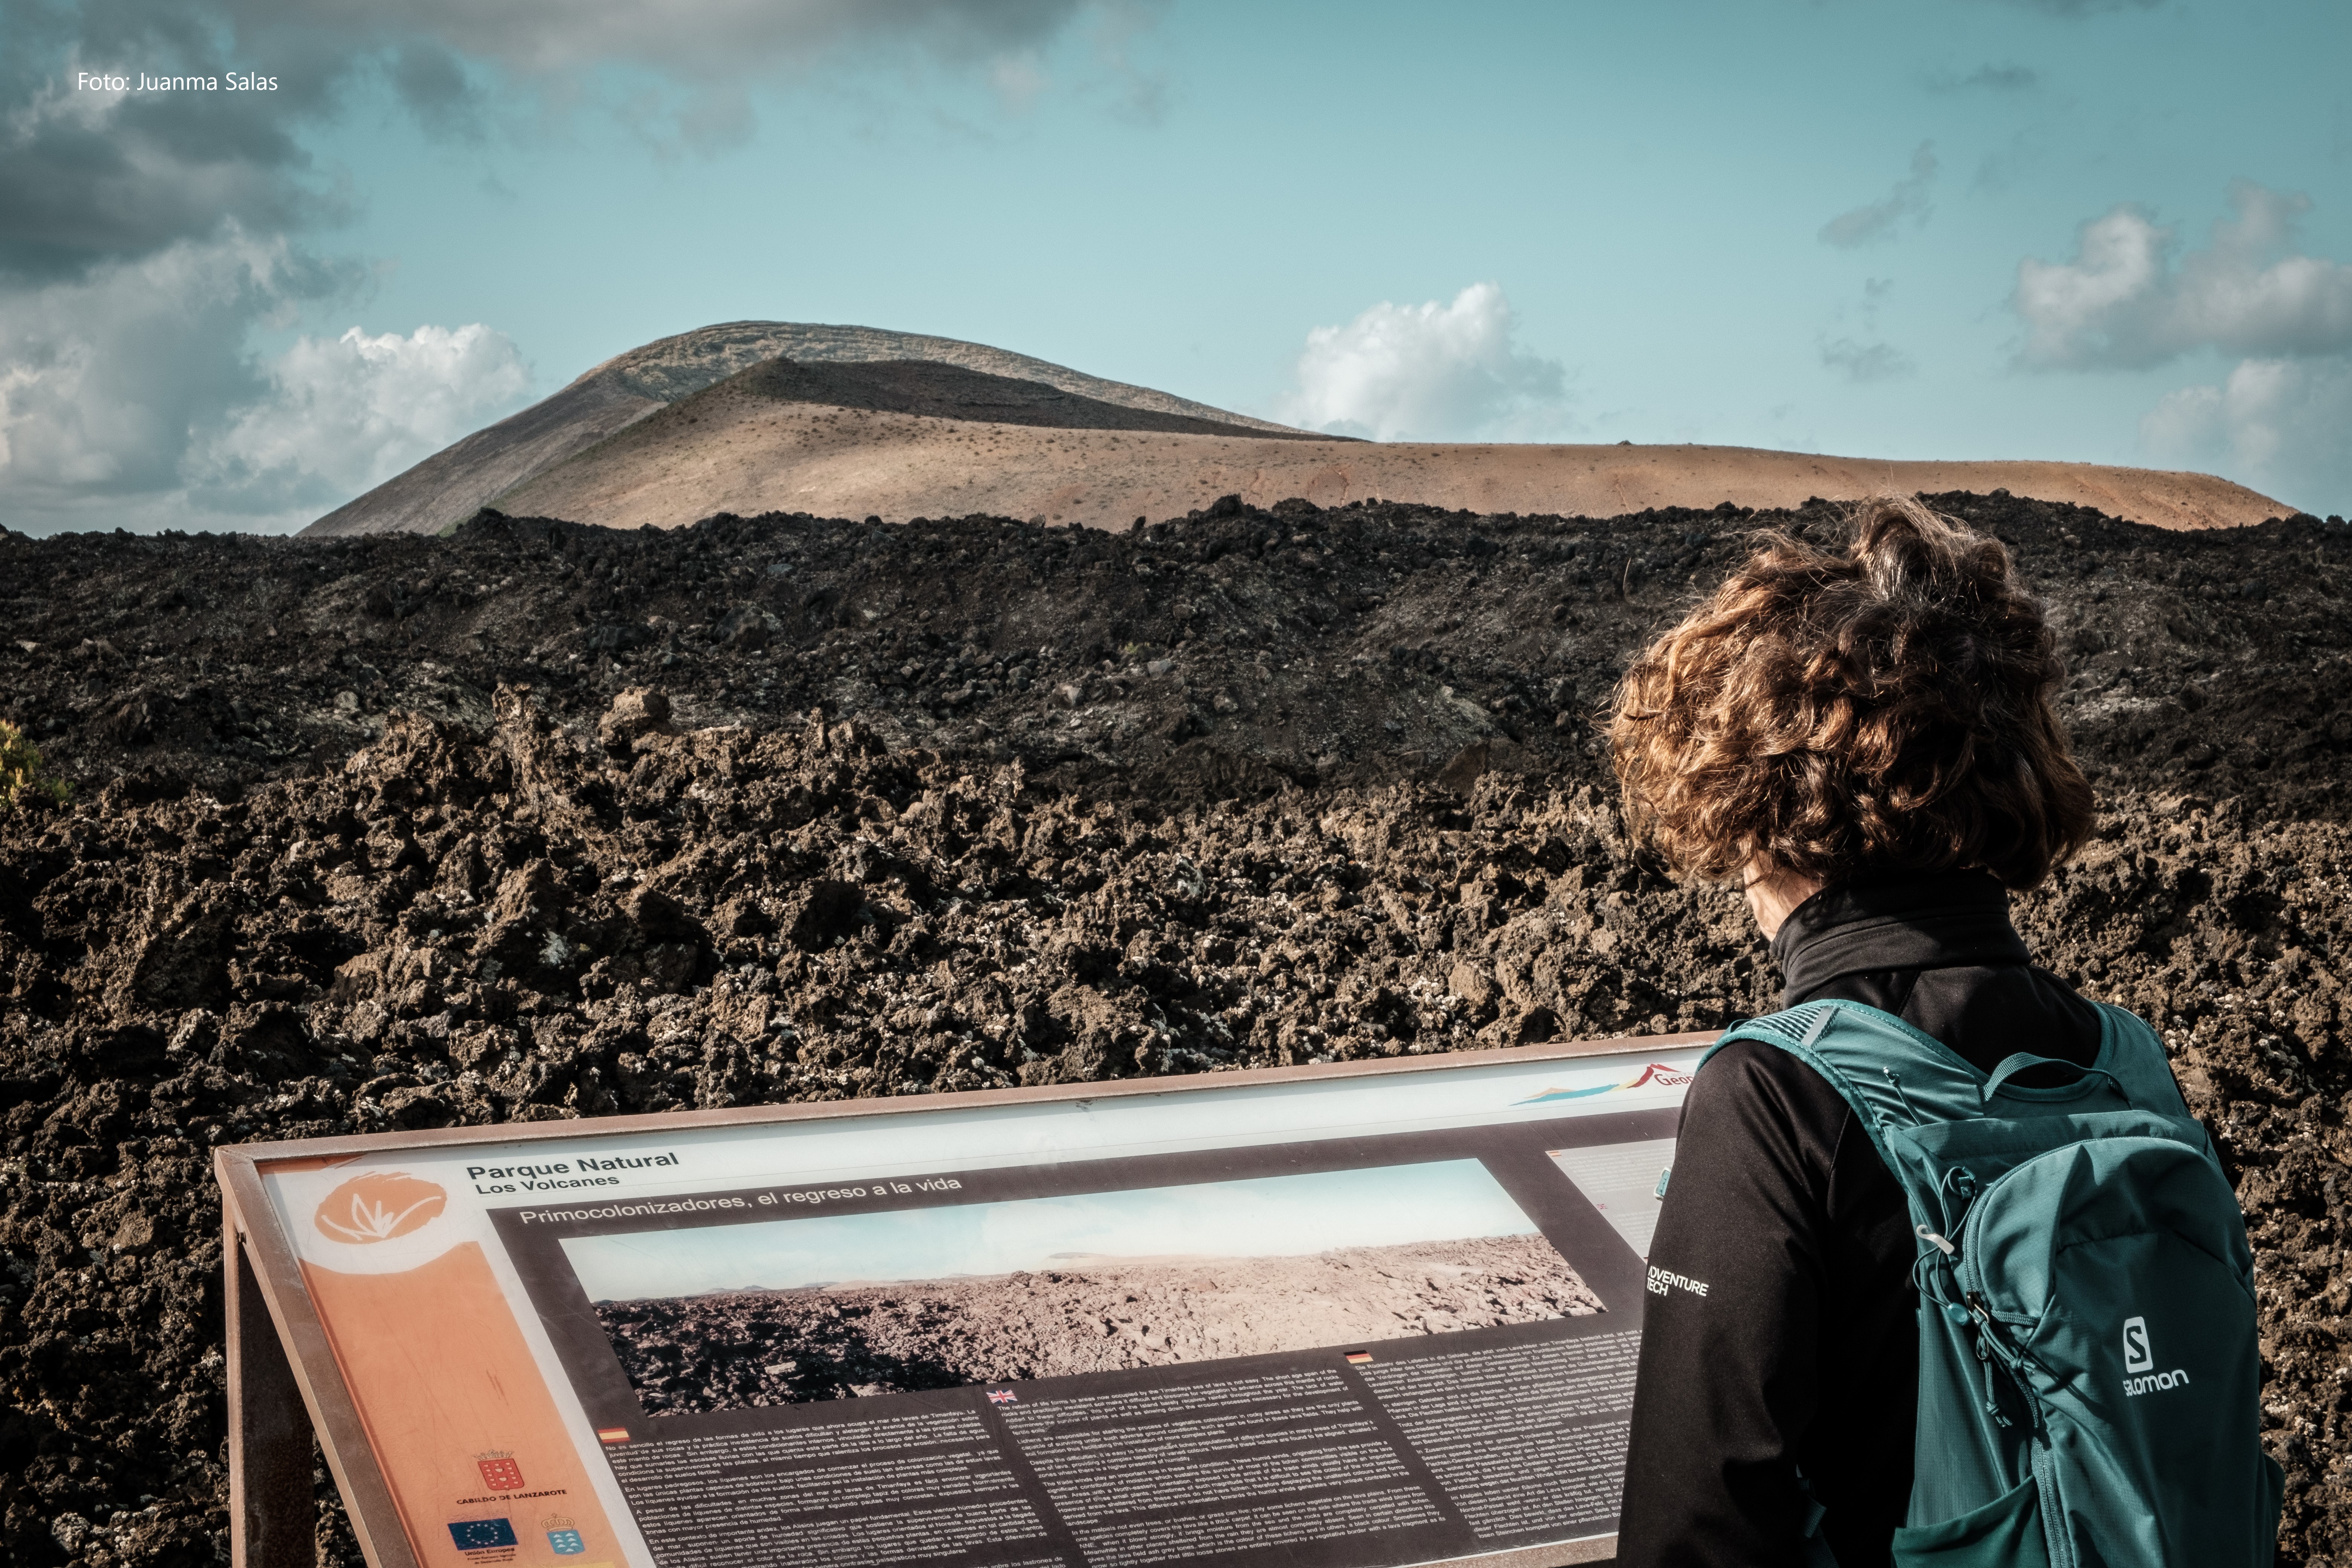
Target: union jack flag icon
<point>1002,1396</point>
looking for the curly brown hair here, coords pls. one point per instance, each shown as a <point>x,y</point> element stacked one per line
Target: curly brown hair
<point>1885,707</point>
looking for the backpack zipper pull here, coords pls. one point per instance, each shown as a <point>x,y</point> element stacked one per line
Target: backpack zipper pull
<point>1988,1353</point>
<point>1908,1108</point>
<point>1924,1234</point>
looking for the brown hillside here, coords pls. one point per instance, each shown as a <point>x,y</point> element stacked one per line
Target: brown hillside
<point>752,416</point>
<point>733,449</point>
<point>451,485</point>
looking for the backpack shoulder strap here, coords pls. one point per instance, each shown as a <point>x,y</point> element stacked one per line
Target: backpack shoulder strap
<point>1894,1075</point>
<point>2132,1053</point>
<point>1891,1074</point>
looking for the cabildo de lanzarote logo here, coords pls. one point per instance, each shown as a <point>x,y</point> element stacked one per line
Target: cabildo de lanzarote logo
<point>379,1206</point>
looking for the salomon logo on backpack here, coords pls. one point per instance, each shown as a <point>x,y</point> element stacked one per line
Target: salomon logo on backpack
<point>2058,1427</point>
<point>2137,1358</point>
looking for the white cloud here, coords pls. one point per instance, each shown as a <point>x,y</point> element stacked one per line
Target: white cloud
<point>1877,220</point>
<point>127,398</point>
<point>355,410</point>
<point>1428,372</point>
<point>2123,301</point>
<point>2131,299</point>
<point>2281,424</point>
<point>106,382</point>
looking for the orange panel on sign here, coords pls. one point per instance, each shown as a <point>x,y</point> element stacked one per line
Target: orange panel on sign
<point>455,1407</point>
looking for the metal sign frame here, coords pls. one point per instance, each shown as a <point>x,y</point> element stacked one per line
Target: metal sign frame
<point>280,1360</point>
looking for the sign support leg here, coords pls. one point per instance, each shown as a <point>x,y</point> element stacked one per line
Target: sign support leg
<point>272,1519</point>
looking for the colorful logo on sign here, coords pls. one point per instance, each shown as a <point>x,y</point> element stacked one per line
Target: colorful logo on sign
<point>379,1206</point>
<point>482,1534</point>
<point>1002,1396</point>
<point>500,1472</point>
<point>563,1536</point>
<point>1656,1075</point>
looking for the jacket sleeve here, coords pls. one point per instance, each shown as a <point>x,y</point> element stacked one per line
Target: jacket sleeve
<point>1730,1334</point>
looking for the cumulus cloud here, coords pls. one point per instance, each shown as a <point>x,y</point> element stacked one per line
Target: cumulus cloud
<point>346,414</point>
<point>1427,372</point>
<point>2129,300</point>
<point>107,382</point>
<point>127,398</point>
<point>2279,424</point>
<point>1879,219</point>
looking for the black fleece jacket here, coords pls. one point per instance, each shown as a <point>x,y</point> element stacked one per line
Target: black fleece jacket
<point>1803,1352</point>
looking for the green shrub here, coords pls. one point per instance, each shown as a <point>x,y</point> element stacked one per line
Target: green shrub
<point>23,781</point>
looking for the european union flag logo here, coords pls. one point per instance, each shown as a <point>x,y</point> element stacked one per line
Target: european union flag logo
<point>482,1534</point>
<point>567,1542</point>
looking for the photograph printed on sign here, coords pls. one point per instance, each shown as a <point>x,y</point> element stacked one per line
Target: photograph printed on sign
<point>709,1318</point>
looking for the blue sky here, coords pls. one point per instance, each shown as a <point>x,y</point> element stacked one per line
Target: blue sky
<point>1267,1217</point>
<point>2090,229</point>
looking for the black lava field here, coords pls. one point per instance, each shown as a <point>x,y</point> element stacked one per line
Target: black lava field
<point>537,821</point>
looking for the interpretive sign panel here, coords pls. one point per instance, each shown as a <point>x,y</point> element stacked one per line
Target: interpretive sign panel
<point>1352,1316</point>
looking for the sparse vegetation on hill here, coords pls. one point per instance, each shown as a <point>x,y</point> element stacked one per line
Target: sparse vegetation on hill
<point>24,782</point>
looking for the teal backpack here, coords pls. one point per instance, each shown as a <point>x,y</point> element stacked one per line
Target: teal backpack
<point>2088,1371</point>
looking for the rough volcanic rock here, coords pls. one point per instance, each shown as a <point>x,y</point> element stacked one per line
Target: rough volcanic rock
<point>1313,799</point>
<point>1231,653</point>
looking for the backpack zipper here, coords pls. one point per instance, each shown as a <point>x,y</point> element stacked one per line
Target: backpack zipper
<point>2055,1535</point>
<point>1993,1347</point>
